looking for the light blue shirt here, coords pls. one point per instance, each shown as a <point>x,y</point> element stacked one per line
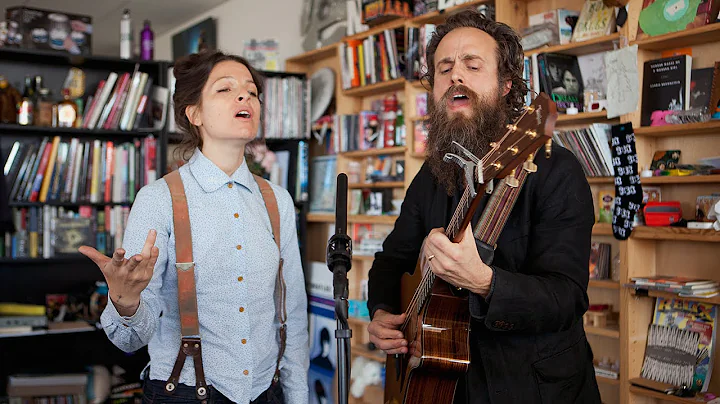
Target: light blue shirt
<point>236,264</point>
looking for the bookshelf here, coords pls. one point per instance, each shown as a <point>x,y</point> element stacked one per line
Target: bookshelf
<point>648,251</point>
<point>28,279</point>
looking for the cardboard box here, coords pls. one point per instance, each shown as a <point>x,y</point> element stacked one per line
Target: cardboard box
<point>38,29</point>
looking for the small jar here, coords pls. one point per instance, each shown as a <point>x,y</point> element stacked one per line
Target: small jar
<point>44,109</point>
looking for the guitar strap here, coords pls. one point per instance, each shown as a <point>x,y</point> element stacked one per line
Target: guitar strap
<point>190,343</point>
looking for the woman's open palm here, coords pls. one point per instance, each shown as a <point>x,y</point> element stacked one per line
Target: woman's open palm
<point>126,278</point>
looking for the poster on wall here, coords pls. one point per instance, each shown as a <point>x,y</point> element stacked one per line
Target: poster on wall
<point>199,37</point>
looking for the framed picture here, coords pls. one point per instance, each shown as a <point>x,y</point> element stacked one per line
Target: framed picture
<point>199,37</point>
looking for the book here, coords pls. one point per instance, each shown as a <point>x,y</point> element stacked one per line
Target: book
<point>666,88</point>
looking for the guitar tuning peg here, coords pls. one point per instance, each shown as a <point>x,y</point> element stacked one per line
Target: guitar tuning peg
<point>531,133</point>
<point>529,165</point>
<point>512,127</point>
<point>548,148</point>
<point>529,109</point>
<point>511,181</point>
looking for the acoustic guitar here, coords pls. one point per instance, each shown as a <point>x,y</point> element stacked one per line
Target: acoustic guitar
<point>437,326</point>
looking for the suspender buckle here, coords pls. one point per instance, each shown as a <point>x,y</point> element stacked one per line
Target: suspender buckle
<point>189,346</point>
<point>185,266</point>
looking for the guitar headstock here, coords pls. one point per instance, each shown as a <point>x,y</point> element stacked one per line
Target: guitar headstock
<point>523,137</point>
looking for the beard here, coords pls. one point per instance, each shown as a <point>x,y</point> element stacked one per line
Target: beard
<point>475,133</point>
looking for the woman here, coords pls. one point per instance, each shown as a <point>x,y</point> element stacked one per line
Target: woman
<point>235,255</point>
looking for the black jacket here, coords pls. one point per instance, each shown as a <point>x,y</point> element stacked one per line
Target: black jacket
<point>528,344</point>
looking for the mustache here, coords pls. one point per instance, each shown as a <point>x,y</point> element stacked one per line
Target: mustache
<point>458,89</point>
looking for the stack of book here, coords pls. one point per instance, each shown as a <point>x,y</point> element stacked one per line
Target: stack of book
<point>684,287</point>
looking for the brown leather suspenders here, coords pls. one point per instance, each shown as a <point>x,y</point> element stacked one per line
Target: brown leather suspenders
<point>190,344</point>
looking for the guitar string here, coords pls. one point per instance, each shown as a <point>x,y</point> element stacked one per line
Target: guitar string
<point>428,278</point>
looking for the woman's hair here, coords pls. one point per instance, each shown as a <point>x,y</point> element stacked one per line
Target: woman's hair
<point>509,52</point>
<point>191,73</point>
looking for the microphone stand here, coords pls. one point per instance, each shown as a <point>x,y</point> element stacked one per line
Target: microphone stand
<point>339,260</point>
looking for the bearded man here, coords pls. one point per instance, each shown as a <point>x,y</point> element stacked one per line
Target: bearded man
<point>527,341</point>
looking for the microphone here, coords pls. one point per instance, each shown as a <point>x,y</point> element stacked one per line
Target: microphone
<point>339,261</point>
<point>339,252</point>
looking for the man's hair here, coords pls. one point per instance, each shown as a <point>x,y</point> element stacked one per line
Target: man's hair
<point>509,51</point>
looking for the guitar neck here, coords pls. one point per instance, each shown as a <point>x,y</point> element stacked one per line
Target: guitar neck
<point>501,203</point>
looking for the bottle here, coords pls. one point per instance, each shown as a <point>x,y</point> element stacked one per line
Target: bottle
<point>26,108</point>
<point>67,111</point>
<point>44,108</point>
<point>9,100</point>
<point>125,35</point>
<point>147,42</point>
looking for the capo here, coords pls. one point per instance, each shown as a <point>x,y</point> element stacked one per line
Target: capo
<point>471,165</point>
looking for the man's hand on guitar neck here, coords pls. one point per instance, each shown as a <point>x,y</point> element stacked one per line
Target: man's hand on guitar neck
<point>459,264</point>
<point>385,334</point>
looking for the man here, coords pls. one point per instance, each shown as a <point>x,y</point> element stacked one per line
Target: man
<point>527,339</point>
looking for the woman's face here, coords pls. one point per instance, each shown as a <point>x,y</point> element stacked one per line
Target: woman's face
<point>230,108</point>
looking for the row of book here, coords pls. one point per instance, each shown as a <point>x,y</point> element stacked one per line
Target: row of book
<point>121,101</point>
<point>364,131</point>
<point>55,231</point>
<point>69,388</point>
<point>77,171</point>
<point>286,108</point>
<point>591,146</point>
<point>374,59</point>
<point>682,286</point>
<point>600,261</point>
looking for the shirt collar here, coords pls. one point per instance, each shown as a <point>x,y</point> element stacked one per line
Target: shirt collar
<point>211,177</point>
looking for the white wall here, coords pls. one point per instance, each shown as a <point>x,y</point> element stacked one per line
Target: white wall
<point>238,20</point>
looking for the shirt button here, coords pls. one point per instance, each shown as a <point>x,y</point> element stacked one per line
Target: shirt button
<point>230,185</point>
<point>244,341</point>
<point>242,309</point>
<point>245,372</point>
<point>240,278</point>
<point>237,215</point>
<point>239,247</point>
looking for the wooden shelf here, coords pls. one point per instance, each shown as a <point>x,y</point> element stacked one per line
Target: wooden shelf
<point>315,55</point>
<point>696,36</point>
<point>378,355</point>
<point>668,233</point>
<point>438,17</point>
<point>374,89</point>
<point>375,152</point>
<point>641,391</point>
<point>602,229</point>
<point>603,332</point>
<point>582,117</point>
<point>688,179</point>
<point>389,184</point>
<point>372,219</point>
<point>379,219</point>
<point>689,129</point>
<point>12,129</point>
<point>604,284</point>
<point>668,295</point>
<point>607,380</point>
<point>600,180</point>
<point>600,44</point>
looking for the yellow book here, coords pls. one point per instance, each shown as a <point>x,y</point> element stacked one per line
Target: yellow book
<point>49,170</point>
<point>95,183</point>
<point>19,309</point>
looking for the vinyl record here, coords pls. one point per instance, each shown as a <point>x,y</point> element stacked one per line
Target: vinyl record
<point>322,89</point>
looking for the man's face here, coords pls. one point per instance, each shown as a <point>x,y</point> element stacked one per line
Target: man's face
<point>467,57</point>
<point>467,105</point>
